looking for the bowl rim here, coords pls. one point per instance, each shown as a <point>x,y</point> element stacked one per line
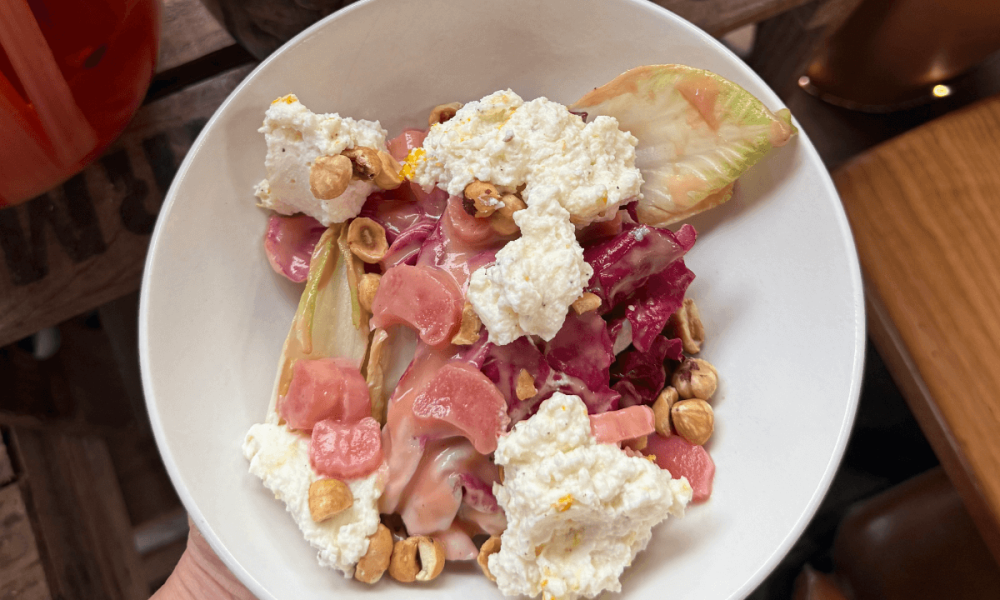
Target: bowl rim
<point>191,506</point>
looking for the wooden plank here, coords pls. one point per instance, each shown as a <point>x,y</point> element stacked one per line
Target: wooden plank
<point>84,244</point>
<point>887,340</point>
<point>21,573</point>
<point>6,465</point>
<point>144,483</point>
<point>925,212</point>
<point>82,524</point>
<point>189,32</point>
<point>77,389</point>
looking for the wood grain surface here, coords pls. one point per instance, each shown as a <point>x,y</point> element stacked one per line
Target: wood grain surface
<point>21,573</point>
<point>189,32</point>
<point>925,211</point>
<point>84,243</point>
<point>81,520</point>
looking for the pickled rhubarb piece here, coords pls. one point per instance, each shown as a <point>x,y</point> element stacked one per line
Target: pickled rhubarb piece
<point>289,244</point>
<point>461,399</point>
<point>422,297</point>
<point>623,424</point>
<point>325,388</point>
<point>684,459</point>
<point>465,228</point>
<point>401,145</point>
<point>346,450</point>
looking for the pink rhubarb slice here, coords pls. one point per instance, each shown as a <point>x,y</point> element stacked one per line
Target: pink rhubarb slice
<point>422,297</point>
<point>684,459</point>
<point>346,450</point>
<point>624,424</point>
<point>460,399</point>
<point>325,388</point>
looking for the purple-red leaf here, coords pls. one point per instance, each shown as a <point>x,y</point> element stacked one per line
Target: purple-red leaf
<point>289,244</point>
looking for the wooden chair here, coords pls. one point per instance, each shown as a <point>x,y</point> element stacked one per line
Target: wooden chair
<point>925,211</point>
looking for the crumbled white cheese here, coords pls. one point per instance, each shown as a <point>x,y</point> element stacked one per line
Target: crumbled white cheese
<point>506,141</point>
<point>577,511</point>
<point>536,277</point>
<point>280,458</point>
<point>296,137</point>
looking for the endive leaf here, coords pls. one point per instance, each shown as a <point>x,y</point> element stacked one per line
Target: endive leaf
<point>324,325</point>
<point>697,133</point>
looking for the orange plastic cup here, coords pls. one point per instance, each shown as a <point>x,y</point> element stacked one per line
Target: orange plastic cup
<point>72,74</point>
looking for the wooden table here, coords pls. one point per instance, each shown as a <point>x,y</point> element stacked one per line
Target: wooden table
<point>925,211</point>
<point>83,244</point>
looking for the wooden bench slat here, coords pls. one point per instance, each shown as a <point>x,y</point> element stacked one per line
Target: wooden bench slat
<point>84,243</point>
<point>189,32</point>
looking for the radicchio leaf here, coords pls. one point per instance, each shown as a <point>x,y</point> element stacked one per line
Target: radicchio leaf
<point>643,371</point>
<point>651,306</point>
<point>575,362</point>
<point>289,244</point>
<point>624,263</point>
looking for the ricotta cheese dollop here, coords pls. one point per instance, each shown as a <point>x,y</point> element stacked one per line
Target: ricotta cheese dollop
<point>577,511</point>
<point>295,138</point>
<point>280,458</point>
<point>570,174</point>
<point>535,278</point>
<point>509,142</point>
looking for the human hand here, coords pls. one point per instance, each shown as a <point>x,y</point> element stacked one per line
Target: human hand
<point>201,575</point>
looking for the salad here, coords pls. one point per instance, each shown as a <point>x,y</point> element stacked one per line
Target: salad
<point>494,357</point>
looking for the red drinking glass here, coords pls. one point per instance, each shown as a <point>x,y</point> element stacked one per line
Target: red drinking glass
<point>72,74</point>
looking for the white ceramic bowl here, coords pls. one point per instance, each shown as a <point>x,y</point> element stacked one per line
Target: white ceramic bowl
<point>777,282</point>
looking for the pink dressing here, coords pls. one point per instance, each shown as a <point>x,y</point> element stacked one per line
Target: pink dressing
<point>623,424</point>
<point>460,244</point>
<point>325,388</point>
<point>438,482</point>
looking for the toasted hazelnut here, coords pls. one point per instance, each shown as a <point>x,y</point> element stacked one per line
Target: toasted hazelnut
<point>694,420</point>
<point>432,559</point>
<point>442,113</point>
<point>511,204</point>
<point>367,288</point>
<point>502,220</point>
<point>661,411</point>
<point>485,197</point>
<point>418,558</point>
<point>390,176</point>
<point>403,565</point>
<point>364,162</point>
<point>695,378</point>
<point>687,325</point>
<point>328,497</point>
<point>503,225</point>
<point>366,239</point>
<point>376,560</point>
<point>468,331</point>
<point>638,444</point>
<point>489,547</point>
<point>587,302</point>
<point>329,176</point>
<point>525,387</point>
